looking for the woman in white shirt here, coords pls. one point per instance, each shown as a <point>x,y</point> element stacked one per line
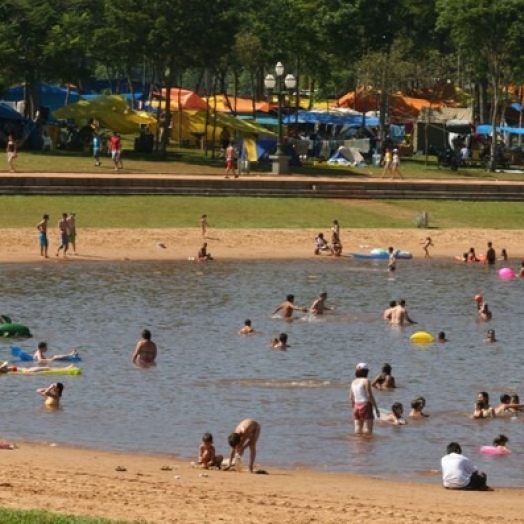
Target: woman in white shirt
<point>362,400</point>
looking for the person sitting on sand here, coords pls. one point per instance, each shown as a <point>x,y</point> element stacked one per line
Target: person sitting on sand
<point>400,316</point>
<point>247,328</point>
<point>203,255</point>
<point>388,312</point>
<point>441,337</point>
<point>506,406</point>
<point>395,417</point>
<point>458,472</point>
<point>40,354</point>
<point>319,305</point>
<point>482,407</point>
<point>485,313</point>
<point>288,307</point>
<point>52,394</point>
<point>207,457</point>
<point>322,245</point>
<point>245,436</point>
<point>417,408</point>
<point>385,380</point>
<point>280,342</point>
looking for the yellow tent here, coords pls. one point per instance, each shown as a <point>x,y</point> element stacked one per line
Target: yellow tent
<point>111,111</point>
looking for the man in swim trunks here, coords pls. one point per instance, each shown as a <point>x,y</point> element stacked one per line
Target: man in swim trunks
<point>63,228</point>
<point>245,436</point>
<point>399,315</point>
<point>71,222</point>
<point>42,235</point>
<point>319,306</point>
<point>392,263</point>
<point>389,311</point>
<point>288,307</point>
<point>145,351</point>
<point>231,155</point>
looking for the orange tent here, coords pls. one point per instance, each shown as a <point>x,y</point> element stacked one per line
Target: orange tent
<point>400,108</point>
<point>238,104</point>
<point>189,100</point>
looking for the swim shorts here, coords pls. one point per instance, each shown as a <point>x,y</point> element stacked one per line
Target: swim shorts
<point>363,411</point>
<point>43,240</point>
<point>115,155</point>
<point>229,163</point>
<point>64,239</point>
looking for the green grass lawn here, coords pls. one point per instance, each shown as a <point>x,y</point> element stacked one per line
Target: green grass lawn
<point>249,212</point>
<point>15,516</point>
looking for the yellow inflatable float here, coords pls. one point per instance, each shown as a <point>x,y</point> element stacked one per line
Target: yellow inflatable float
<point>422,337</point>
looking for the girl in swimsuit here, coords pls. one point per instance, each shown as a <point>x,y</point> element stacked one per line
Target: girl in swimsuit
<point>52,394</point>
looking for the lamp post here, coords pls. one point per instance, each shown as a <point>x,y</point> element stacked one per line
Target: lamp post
<point>280,161</point>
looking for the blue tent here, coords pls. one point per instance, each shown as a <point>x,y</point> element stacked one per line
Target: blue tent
<point>8,113</point>
<point>53,97</point>
<point>333,117</point>
<point>485,129</point>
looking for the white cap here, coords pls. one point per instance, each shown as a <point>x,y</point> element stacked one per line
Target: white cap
<point>362,365</point>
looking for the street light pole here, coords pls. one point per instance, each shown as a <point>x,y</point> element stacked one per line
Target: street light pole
<point>280,161</point>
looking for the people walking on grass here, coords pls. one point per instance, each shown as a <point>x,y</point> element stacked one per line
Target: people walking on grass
<point>395,164</point>
<point>42,235</point>
<point>11,153</point>
<point>388,156</point>
<point>63,231</point>
<point>231,155</point>
<point>116,151</point>
<point>97,146</point>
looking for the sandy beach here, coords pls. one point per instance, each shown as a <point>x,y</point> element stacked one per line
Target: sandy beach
<point>21,245</point>
<point>163,489</point>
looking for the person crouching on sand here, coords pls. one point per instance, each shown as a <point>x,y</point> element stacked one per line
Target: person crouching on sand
<point>207,457</point>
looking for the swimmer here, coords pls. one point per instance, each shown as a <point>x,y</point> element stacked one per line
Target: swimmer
<point>514,399</point>
<point>503,254</point>
<point>396,415</point>
<point>500,443</point>
<point>491,256</point>
<point>145,352</point>
<point>40,354</point>
<point>521,271</point>
<point>472,257</point>
<point>426,245</point>
<point>207,457</point>
<point>280,342</point>
<point>385,380</point>
<point>387,312</point>
<point>482,407</point>
<point>288,307</point>
<point>490,337</point>
<point>479,300</point>
<point>400,316</point>
<point>417,408</point>
<point>319,305</point>
<point>485,313</point>
<point>441,337</point>
<point>392,260</point>
<point>464,257</point>
<point>6,368</point>
<point>52,394</point>
<point>247,329</point>
<point>506,406</point>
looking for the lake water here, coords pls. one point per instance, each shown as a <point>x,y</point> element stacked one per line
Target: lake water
<point>209,378</point>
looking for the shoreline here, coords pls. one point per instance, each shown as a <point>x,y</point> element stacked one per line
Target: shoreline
<point>20,245</point>
<point>164,489</point>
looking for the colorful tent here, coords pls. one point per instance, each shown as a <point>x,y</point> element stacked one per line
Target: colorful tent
<point>189,101</point>
<point>50,96</point>
<point>111,111</point>
<point>238,105</point>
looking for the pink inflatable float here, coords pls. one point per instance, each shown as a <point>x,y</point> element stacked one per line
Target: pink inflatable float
<point>493,450</point>
<point>506,272</point>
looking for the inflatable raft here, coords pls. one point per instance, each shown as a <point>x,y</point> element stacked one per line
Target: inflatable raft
<point>26,357</point>
<point>13,330</point>
<point>47,372</point>
<point>382,254</point>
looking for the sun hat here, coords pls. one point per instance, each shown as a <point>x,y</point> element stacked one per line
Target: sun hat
<point>362,365</point>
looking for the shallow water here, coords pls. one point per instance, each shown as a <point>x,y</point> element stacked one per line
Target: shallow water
<point>209,378</point>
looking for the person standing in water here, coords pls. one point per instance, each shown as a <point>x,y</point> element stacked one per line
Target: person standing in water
<point>42,236</point>
<point>362,400</point>
<point>491,256</point>
<point>392,260</point>
<point>52,394</point>
<point>145,352</point>
<point>288,307</point>
<point>319,305</point>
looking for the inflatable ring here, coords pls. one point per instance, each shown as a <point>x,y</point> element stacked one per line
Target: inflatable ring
<point>493,450</point>
<point>422,337</point>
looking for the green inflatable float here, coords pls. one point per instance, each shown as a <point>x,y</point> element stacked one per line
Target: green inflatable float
<point>10,329</point>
